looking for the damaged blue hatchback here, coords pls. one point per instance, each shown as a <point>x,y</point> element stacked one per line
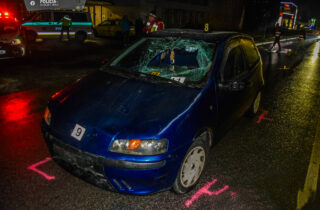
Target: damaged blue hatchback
<point>145,122</point>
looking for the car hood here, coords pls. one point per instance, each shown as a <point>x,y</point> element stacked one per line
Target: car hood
<point>120,106</point>
<point>7,38</point>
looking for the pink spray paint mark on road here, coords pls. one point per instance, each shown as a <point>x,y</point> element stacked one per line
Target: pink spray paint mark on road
<point>262,117</point>
<point>34,168</point>
<point>205,190</point>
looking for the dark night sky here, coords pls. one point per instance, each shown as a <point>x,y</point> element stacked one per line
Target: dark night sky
<point>309,8</point>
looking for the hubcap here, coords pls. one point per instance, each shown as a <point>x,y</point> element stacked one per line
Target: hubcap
<point>256,103</point>
<point>192,166</point>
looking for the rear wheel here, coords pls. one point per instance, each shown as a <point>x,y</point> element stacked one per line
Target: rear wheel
<point>192,166</point>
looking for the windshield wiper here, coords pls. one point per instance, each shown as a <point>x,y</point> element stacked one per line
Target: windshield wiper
<point>140,75</point>
<point>157,78</point>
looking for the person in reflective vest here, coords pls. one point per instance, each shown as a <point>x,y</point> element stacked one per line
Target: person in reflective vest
<point>66,24</point>
<point>153,24</point>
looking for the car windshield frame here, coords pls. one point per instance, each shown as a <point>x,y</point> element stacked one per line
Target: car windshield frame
<point>200,51</point>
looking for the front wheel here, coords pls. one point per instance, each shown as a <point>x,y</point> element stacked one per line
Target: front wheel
<point>192,167</point>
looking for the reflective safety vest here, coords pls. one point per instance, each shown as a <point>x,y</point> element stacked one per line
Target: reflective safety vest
<point>65,21</point>
<point>154,26</point>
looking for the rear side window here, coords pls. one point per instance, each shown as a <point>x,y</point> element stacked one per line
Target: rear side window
<point>250,52</point>
<point>235,65</point>
<point>75,17</point>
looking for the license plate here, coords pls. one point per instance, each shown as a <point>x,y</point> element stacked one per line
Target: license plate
<point>2,52</point>
<point>78,132</point>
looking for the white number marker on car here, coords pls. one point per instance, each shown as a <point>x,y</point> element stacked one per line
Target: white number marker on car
<point>179,79</point>
<point>78,132</point>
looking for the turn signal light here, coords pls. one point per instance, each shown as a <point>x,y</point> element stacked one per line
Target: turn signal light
<point>133,144</point>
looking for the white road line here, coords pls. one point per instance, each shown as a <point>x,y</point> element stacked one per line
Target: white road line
<point>270,42</point>
<point>282,40</point>
<point>311,182</point>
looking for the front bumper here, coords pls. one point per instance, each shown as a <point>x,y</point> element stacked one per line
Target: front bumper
<point>112,174</point>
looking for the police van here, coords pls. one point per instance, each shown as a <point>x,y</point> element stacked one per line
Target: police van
<point>45,24</point>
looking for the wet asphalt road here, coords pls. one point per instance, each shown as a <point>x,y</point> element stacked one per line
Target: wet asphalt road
<point>258,164</point>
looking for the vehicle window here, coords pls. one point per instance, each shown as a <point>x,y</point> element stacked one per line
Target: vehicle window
<point>185,60</point>
<point>75,17</point>
<point>250,52</point>
<point>43,17</point>
<point>78,17</point>
<point>235,64</point>
<point>106,23</point>
<point>58,15</point>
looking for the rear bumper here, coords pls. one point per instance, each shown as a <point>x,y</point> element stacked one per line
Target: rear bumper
<point>114,174</point>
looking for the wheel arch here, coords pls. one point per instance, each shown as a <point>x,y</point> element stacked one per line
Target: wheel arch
<point>208,131</point>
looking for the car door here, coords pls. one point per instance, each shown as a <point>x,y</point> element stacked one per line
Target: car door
<point>233,85</point>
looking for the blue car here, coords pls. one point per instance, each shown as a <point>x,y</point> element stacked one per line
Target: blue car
<point>145,122</point>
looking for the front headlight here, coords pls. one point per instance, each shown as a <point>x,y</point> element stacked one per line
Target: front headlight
<point>47,116</point>
<point>139,146</point>
<point>16,41</point>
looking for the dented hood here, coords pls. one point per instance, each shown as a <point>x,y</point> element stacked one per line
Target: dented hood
<point>126,107</point>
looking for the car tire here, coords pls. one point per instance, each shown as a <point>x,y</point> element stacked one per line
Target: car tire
<point>81,36</point>
<point>192,166</point>
<point>254,108</point>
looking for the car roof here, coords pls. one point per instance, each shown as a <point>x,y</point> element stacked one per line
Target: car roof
<point>214,36</point>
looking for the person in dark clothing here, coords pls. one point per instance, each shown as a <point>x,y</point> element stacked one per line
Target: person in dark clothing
<point>125,29</point>
<point>302,34</point>
<point>277,36</point>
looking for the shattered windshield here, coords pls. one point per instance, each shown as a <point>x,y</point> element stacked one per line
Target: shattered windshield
<point>183,60</point>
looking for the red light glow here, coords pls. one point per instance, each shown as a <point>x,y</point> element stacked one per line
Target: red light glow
<point>5,14</point>
<point>17,108</point>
